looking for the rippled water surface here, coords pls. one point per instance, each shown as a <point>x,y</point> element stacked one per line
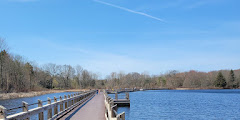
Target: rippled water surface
<point>183,104</point>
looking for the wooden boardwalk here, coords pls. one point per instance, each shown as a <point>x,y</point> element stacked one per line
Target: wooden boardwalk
<point>92,110</point>
<point>79,106</point>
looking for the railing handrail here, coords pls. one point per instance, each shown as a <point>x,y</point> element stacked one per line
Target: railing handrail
<point>70,102</point>
<point>111,113</point>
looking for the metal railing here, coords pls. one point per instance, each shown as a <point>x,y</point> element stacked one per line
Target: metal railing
<point>111,113</point>
<point>68,103</point>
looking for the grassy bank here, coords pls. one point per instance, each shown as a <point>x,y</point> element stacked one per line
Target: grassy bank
<point>4,96</point>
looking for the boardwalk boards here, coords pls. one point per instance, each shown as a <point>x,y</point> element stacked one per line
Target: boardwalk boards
<point>70,103</point>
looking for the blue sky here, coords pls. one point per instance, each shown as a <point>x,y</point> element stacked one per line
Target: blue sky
<point>125,35</point>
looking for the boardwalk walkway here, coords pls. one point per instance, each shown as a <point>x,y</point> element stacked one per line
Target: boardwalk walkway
<point>92,110</point>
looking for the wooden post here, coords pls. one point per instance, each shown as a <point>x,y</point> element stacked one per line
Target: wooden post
<point>127,95</point>
<point>69,102</point>
<point>50,110</point>
<point>78,98</point>
<point>40,115</point>
<point>56,107</point>
<point>116,96</point>
<point>66,103</point>
<point>81,98</point>
<point>61,105</point>
<point>111,104</point>
<point>72,99</point>
<point>123,116</point>
<point>25,108</point>
<point>2,112</point>
<point>109,100</point>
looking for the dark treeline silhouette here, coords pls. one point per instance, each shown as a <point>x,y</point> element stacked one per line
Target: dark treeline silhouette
<point>18,75</point>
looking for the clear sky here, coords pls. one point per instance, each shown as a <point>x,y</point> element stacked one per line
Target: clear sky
<point>125,35</point>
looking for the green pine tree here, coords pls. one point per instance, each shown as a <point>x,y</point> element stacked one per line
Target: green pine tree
<point>232,83</point>
<point>220,81</point>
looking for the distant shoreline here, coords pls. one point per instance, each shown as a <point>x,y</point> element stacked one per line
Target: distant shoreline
<point>212,88</point>
<point>196,88</point>
<point>6,96</point>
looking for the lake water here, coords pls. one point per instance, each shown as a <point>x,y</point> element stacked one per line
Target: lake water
<point>13,103</point>
<point>183,105</point>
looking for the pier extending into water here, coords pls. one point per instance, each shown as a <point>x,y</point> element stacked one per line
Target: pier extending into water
<point>88,105</point>
<point>111,106</point>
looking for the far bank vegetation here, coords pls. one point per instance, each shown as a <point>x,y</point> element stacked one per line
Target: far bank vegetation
<point>174,79</point>
<point>19,75</point>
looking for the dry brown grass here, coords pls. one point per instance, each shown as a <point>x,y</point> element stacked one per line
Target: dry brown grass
<point>4,96</point>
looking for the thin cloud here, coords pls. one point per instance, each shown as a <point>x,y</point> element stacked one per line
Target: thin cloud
<point>129,10</point>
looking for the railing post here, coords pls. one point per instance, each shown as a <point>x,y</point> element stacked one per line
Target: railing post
<point>81,98</point>
<point>110,107</point>
<point>123,116</point>
<point>69,102</point>
<point>40,115</point>
<point>25,108</point>
<point>50,110</point>
<point>116,96</point>
<point>61,105</point>
<point>78,98</point>
<point>66,103</point>
<point>2,112</point>
<point>72,99</point>
<point>127,95</point>
<point>75,99</point>
<point>56,107</point>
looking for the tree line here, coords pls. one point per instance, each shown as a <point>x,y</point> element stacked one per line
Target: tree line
<point>174,79</point>
<point>20,75</point>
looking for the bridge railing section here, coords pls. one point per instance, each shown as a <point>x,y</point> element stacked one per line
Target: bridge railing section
<point>67,103</point>
<point>111,113</point>
<point>122,96</point>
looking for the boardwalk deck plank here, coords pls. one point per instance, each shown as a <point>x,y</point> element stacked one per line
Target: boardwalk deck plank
<point>93,110</point>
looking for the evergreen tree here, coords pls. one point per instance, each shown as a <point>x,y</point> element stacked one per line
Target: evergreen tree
<point>232,83</point>
<point>220,81</point>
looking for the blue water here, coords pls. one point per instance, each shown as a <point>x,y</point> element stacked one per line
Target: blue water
<point>13,103</point>
<point>183,105</point>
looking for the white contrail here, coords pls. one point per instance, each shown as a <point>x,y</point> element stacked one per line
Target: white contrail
<point>129,10</point>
